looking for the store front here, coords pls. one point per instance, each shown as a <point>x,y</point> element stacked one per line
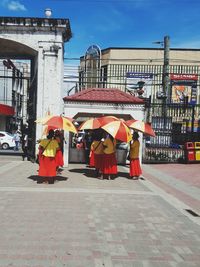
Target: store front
<point>6,117</point>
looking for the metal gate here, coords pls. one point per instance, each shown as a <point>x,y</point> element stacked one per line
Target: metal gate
<point>174,125</point>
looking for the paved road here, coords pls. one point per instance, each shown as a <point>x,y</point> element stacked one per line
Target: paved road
<point>81,221</point>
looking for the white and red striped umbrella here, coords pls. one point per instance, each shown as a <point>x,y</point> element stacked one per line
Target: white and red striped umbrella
<point>89,124</point>
<point>106,119</point>
<point>95,123</point>
<point>119,130</point>
<point>61,122</point>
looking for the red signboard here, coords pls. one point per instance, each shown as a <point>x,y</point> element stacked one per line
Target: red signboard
<point>6,110</point>
<point>184,77</point>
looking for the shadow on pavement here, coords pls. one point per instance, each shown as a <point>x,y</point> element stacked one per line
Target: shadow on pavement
<point>123,174</point>
<point>37,178</point>
<point>85,171</point>
<point>90,173</point>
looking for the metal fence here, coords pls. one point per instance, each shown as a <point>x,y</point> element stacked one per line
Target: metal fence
<point>174,125</point>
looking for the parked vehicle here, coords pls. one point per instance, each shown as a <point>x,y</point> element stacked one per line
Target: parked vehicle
<point>6,140</point>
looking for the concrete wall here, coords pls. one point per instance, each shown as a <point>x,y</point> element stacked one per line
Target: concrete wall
<point>152,56</point>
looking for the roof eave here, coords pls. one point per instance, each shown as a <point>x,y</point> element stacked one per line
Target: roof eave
<point>109,102</point>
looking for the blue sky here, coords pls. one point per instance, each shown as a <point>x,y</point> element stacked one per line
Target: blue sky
<point>117,23</point>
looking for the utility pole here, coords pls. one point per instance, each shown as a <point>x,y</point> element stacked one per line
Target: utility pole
<point>164,94</point>
<point>165,75</point>
<point>165,80</point>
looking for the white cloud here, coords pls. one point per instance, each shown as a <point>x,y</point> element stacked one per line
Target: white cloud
<point>13,5</point>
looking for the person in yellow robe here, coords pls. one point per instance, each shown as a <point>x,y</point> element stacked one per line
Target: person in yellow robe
<point>109,162</point>
<point>135,168</point>
<point>47,158</point>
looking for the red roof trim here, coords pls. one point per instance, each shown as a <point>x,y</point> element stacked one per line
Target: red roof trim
<point>104,95</point>
<point>6,110</point>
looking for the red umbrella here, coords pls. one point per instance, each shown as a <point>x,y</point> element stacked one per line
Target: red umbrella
<point>141,126</point>
<point>119,130</point>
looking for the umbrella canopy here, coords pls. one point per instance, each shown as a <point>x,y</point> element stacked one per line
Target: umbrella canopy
<point>89,124</point>
<point>141,126</point>
<point>119,130</point>
<point>96,123</point>
<point>106,119</point>
<point>60,122</point>
<point>47,117</point>
<point>43,119</point>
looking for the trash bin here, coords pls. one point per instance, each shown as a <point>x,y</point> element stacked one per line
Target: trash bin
<point>197,150</point>
<point>121,156</point>
<point>189,151</point>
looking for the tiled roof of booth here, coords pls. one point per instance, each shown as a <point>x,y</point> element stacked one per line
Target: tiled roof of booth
<point>105,95</point>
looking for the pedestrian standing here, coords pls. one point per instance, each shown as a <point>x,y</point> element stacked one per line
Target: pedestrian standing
<point>91,156</point>
<point>47,161</point>
<point>17,138</point>
<point>59,153</point>
<point>98,157</point>
<point>97,152</point>
<point>135,168</point>
<point>25,142</point>
<point>87,141</point>
<point>109,163</point>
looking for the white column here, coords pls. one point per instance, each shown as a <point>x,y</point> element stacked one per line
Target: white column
<point>66,149</point>
<point>50,75</point>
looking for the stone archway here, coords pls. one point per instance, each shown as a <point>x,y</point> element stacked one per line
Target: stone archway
<point>41,40</point>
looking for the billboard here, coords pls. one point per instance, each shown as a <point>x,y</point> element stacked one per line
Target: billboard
<point>184,86</point>
<point>139,83</point>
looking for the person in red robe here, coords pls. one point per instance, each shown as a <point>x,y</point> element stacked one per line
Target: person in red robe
<point>47,158</point>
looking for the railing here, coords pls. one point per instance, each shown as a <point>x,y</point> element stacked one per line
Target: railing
<point>178,124</point>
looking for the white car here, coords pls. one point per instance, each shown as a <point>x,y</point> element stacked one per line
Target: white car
<point>6,140</point>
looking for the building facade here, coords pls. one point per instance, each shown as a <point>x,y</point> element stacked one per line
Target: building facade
<point>172,108</point>
<point>14,82</point>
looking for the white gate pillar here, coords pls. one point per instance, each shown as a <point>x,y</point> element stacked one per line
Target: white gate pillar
<point>50,73</point>
<point>41,39</point>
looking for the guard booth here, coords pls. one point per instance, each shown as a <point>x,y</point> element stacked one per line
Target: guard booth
<point>77,153</point>
<point>97,102</point>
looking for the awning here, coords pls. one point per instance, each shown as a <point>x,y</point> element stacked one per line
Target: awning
<point>6,110</point>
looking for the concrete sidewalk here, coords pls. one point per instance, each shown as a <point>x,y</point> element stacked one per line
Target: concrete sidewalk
<point>81,221</point>
<point>182,181</point>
